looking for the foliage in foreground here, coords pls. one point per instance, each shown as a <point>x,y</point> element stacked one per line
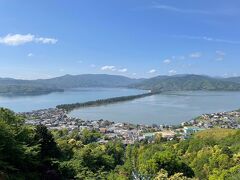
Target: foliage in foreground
<point>28,152</point>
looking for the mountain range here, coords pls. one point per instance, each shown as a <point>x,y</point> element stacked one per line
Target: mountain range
<point>189,82</point>
<point>9,86</point>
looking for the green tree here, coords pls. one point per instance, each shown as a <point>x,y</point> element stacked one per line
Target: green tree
<point>47,143</point>
<point>89,136</point>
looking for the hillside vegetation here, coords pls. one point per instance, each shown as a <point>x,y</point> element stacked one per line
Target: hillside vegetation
<point>13,90</point>
<point>233,79</point>
<point>10,86</point>
<point>34,152</point>
<point>162,83</point>
<point>216,134</point>
<point>187,82</point>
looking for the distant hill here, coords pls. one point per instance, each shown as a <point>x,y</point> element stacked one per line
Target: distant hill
<point>9,86</point>
<point>186,82</point>
<point>89,80</point>
<point>13,90</point>
<point>233,79</point>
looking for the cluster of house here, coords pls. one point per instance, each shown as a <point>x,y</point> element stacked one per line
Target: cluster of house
<point>229,119</point>
<point>54,118</point>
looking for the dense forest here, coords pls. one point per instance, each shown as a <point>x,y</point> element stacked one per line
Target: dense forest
<point>34,152</point>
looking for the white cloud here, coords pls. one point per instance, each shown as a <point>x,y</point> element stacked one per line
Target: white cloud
<point>167,61</point>
<point>123,70</point>
<point>180,10</point>
<point>204,38</point>
<point>46,40</point>
<point>108,68</point>
<point>182,57</point>
<point>134,74</point>
<point>30,54</point>
<point>195,55</point>
<point>152,71</point>
<point>216,11</point>
<point>172,72</point>
<point>235,74</point>
<point>16,39</point>
<point>19,39</point>
<point>220,55</point>
<point>225,75</point>
<point>92,65</point>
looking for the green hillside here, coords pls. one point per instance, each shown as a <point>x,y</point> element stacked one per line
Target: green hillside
<point>10,86</point>
<point>88,80</point>
<point>187,82</point>
<point>12,90</point>
<point>233,79</point>
<point>34,152</point>
<point>164,83</point>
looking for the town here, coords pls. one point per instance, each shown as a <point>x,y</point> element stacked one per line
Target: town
<point>55,118</point>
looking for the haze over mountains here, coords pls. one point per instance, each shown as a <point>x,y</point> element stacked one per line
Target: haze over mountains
<point>9,86</point>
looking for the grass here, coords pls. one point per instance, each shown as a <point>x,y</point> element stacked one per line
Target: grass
<point>216,133</point>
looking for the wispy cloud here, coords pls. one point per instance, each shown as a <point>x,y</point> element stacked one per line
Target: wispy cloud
<point>195,55</point>
<point>172,72</point>
<point>181,57</point>
<point>123,70</point>
<point>167,61</point>
<point>152,71</point>
<point>108,68</point>
<point>205,38</point>
<point>226,11</point>
<point>30,54</point>
<point>112,68</point>
<point>180,10</point>
<point>20,39</point>
<point>46,40</point>
<point>220,55</point>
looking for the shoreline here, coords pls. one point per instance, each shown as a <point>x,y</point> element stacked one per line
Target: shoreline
<point>129,133</point>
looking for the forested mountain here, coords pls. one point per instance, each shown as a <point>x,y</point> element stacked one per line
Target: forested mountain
<point>164,83</point>
<point>186,82</point>
<point>233,79</point>
<point>9,86</point>
<point>25,89</point>
<point>72,81</point>
<point>88,80</point>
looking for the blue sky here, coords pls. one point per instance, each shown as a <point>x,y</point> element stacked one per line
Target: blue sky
<point>135,38</point>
